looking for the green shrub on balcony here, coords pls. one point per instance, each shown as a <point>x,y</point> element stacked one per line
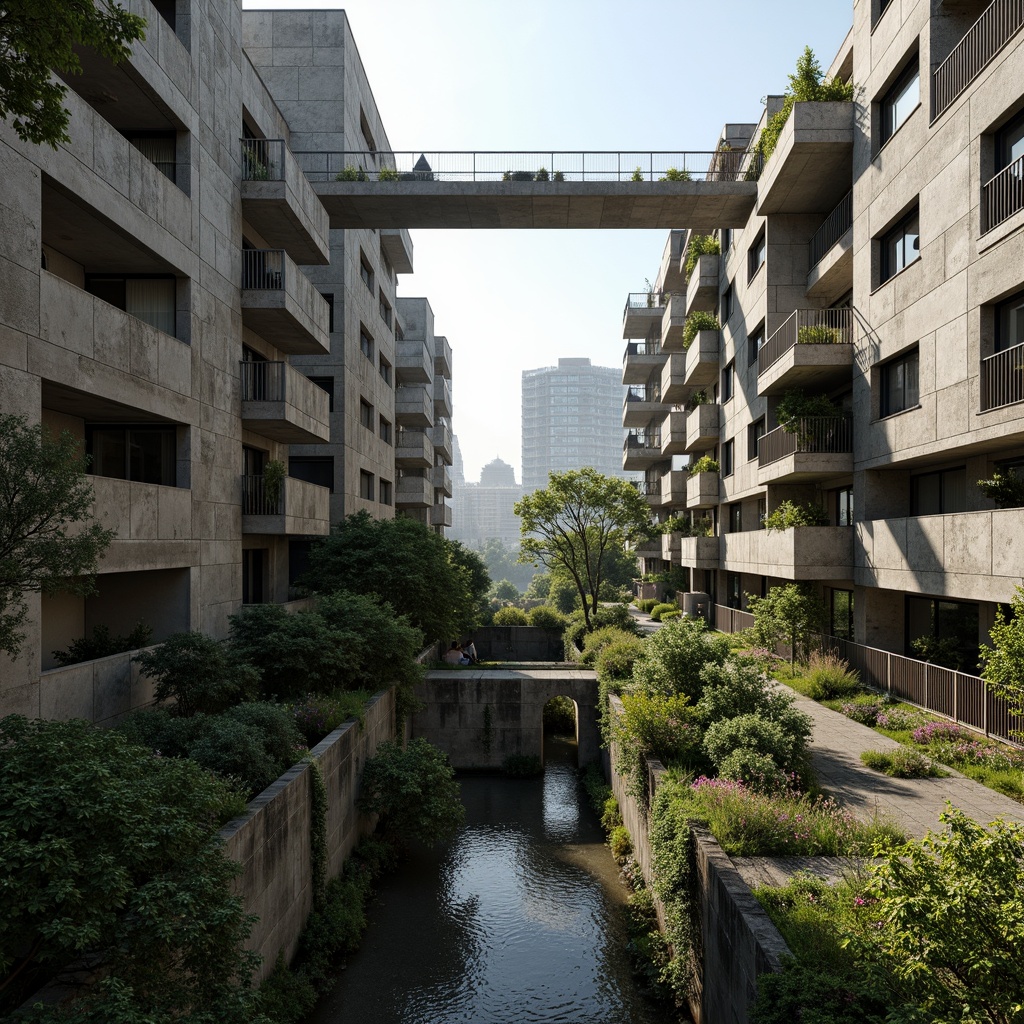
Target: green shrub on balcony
<point>700,245</point>
<point>819,334</point>
<point>637,175</point>
<point>675,174</point>
<point>797,405</point>
<point>698,321</point>
<point>705,464</point>
<point>388,174</point>
<point>791,513</point>
<point>350,173</point>
<point>697,399</point>
<point>1007,491</point>
<point>542,175</point>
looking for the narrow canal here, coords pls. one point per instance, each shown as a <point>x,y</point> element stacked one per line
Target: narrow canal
<point>519,919</point>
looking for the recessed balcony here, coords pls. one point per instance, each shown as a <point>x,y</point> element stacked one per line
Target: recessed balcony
<point>414,449</point>
<point>640,360</point>
<point>643,311</point>
<point>830,252</point>
<point>811,168</point>
<point>281,305</point>
<point>300,509</point>
<point>702,288</point>
<point>812,349</point>
<point>699,552</point>
<point>702,427</point>
<point>641,404</point>
<point>672,322</point>
<point>702,359</point>
<point>1002,378</point>
<point>673,434</point>
<point>279,202</point>
<point>414,405</point>
<point>702,490</point>
<point>819,447</point>
<point>799,553</point>
<point>282,404</point>
<point>641,450</point>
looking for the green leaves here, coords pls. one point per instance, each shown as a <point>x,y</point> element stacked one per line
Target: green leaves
<point>1004,661</point>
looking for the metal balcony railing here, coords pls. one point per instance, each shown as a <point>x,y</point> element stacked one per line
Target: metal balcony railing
<point>639,441</point>
<point>1003,196</point>
<point>263,269</point>
<point>643,393</point>
<point>643,348</point>
<point>263,381</point>
<point>648,488</point>
<point>540,166</point>
<point>837,223</point>
<point>998,24</point>
<point>262,159</point>
<point>807,327</point>
<point>256,501</point>
<point>1002,378</point>
<point>644,300</point>
<point>832,435</point>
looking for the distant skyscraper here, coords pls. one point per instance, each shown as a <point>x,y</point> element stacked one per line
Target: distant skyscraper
<point>484,510</point>
<point>572,417</point>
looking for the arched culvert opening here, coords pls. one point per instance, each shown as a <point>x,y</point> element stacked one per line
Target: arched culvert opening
<point>561,723</point>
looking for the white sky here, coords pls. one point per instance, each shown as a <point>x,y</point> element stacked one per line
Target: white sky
<point>565,75</point>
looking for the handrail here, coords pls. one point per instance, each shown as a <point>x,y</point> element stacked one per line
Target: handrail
<point>1002,378</point>
<point>644,300</point>
<point>637,439</point>
<point>831,435</point>
<point>643,393</point>
<point>263,269</point>
<point>263,380</point>
<point>1003,194</point>
<point>643,348</point>
<point>836,224</point>
<point>255,500</point>
<point>807,327</point>
<point>262,159</point>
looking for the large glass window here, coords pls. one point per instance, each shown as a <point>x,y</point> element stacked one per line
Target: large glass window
<point>899,384</point>
<point>1010,322</point>
<point>941,492</point>
<point>841,614</point>
<point>844,506</point>
<point>900,100</point>
<point>756,255</point>
<point>945,632</point>
<point>142,453</point>
<point>151,299</point>
<point>901,246</point>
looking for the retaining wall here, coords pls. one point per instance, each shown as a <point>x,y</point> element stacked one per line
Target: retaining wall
<point>518,643</point>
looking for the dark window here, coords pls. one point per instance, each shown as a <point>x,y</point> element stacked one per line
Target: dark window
<point>365,414</point>
<point>365,343</point>
<point>898,379</point>
<point>756,255</point>
<point>899,101</point>
<point>733,592</point>
<point>844,506</point>
<point>150,299</point>
<point>366,272</point>
<point>725,306</point>
<point>159,148</point>
<point>725,239</point>
<point>762,512</point>
<point>735,523</point>
<point>254,575</point>
<point>952,628</point>
<point>841,614</point>
<point>385,432</point>
<point>1010,142</point>
<point>326,384</point>
<point>329,299</point>
<point>365,485</point>
<point>944,491</point>
<point>385,308</point>
<point>364,128</point>
<point>314,469</point>
<point>754,434</point>
<point>142,453</point>
<point>385,370</point>
<point>728,381</point>
<point>385,492</point>
<point>755,343</point>
<point>901,246</point>
<point>1010,322</point>
<point>727,459</point>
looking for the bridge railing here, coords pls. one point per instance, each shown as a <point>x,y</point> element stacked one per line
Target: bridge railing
<point>539,166</point>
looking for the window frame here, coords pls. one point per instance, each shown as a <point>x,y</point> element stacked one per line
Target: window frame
<point>890,366</point>
<point>728,458</point>
<point>366,485</point>
<point>366,414</point>
<point>753,436</point>
<point>899,233</point>
<point>366,343</point>
<point>757,255</point>
<point>366,273</point>
<point>755,342</point>
<point>1004,325</point>
<point>886,104</point>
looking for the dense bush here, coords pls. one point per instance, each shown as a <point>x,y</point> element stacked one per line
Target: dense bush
<point>102,643</point>
<point>659,609</point>
<point>317,714</point>
<point>645,604</point>
<point>789,514</point>
<point>615,661</point>
<point>829,677</point>
<point>756,750</point>
<point>546,617</point>
<point>700,245</point>
<point>674,613</point>
<point>705,464</point>
<point>604,636</point>
<point>560,716</point>
<point>511,616</point>
<point>696,322</point>
<point>673,658</point>
<point>620,842</point>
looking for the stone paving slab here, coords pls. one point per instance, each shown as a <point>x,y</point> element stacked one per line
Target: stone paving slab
<point>777,871</point>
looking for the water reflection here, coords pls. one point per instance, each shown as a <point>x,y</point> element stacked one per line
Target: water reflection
<point>519,920</point>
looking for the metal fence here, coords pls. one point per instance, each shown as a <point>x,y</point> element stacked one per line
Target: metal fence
<point>837,223</point>
<point>998,23</point>
<point>731,620</point>
<point>643,348</point>
<point>644,300</point>
<point>263,381</point>
<point>256,501</point>
<point>262,159</point>
<point>643,393</point>
<point>807,327</point>
<point>648,488</point>
<point>1003,196</point>
<point>536,166</point>
<point>638,440</point>
<point>263,269</point>
<point>829,435</point>
<point>1002,378</point>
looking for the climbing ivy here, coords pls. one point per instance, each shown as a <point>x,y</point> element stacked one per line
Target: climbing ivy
<point>317,832</point>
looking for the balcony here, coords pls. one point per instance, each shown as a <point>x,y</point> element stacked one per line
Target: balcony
<point>279,202</point>
<point>702,288</point>
<point>702,490</point>
<point>673,434</point>
<point>441,436</point>
<point>812,349</point>
<point>302,509</point>
<point>702,427</point>
<point>641,450</point>
<point>442,357</point>
<point>830,252</point>
<point>821,447</point>
<point>442,397</point>
<point>281,305</point>
<point>973,556</point>
<point>640,360</point>
<point>441,479</point>
<point>282,404</point>
<point>702,359</point>
<point>643,311</point>
<point>414,492</point>
<point>1003,195</point>
<point>397,246</point>
<point>799,553</point>
<point>414,450</point>
<point>998,24</point>
<point>1002,379</point>
<point>674,488</point>
<point>414,406</point>
<point>648,549</point>
<point>440,515</point>
<point>670,547</point>
<point>640,405</point>
<point>811,168</point>
<point>414,362</point>
<point>671,275</point>
<point>699,552</point>
<point>673,379</point>
<point>649,489</point>
<point>672,322</point>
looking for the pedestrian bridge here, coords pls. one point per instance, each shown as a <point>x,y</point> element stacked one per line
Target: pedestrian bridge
<point>698,190</point>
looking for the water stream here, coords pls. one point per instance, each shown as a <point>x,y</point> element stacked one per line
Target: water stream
<point>519,919</point>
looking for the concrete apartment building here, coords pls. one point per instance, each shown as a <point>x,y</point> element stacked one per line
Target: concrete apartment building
<point>892,228</point>
<point>174,296</point>
<point>572,417</point>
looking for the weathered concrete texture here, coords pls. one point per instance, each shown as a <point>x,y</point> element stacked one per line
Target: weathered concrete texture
<point>272,840</point>
<point>481,717</point>
<point>518,643</point>
<point>799,553</point>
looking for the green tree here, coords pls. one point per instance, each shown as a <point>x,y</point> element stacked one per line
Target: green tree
<point>1004,661</point>
<point>414,791</point>
<point>108,852</point>
<point>40,36</point>
<point>49,540</point>
<point>502,564</point>
<point>786,615</point>
<point>505,590</point>
<point>576,522</point>
<point>476,581</point>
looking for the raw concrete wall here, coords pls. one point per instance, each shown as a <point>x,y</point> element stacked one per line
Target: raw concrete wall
<point>272,840</point>
<point>519,643</point>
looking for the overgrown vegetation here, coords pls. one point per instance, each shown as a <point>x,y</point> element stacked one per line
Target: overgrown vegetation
<point>1005,489</point>
<point>787,615</point>
<point>698,321</point>
<point>705,464</point>
<point>700,245</point>
<point>101,643</point>
<point>788,514</point>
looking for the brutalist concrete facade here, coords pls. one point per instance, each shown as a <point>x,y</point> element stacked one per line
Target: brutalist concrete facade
<point>173,295</point>
<point>883,267</point>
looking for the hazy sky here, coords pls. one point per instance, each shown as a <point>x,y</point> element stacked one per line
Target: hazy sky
<point>568,75</point>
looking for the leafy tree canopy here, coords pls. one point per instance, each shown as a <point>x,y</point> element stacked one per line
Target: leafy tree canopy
<point>786,615</point>
<point>1004,661</point>
<point>37,36</point>
<point>502,563</point>
<point>577,522</point>
<point>48,537</point>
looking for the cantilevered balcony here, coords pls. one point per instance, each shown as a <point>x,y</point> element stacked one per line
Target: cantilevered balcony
<point>281,305</point>
<point>702,490</point>
<point>441,478</point>
<point>674,488</point>
<point>699,552</point>
<point>702,427</point>
<point>414,491</point>
<point>279,202</point>
<point>441,435</point>
<point>282,404</point>
<point>442,357</point>
<point>702,359</point>
<point>641,404</point>
<point>812,349</point>
<point>702,288</point>
<point>670,547</point>
<point>820,447</point>
<point>414,405</point>
<point>673,321</point>
<point>674,390</point>
<point>640,450</point>
<point>643,311</point>
<point>673,433</point>
<point>799,553</point>
<point>640,360</point>
<point>442,397</point>
<point>397,246</point>
<point>440,514</point>
<point>649,489</point>
<point>300,509</point>
<point>671,275</point>
<point>811,168</point>
<point>414,362</point>
<point>414,449</point>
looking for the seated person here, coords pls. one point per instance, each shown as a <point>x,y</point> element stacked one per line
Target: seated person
<point>469,650</point>
<point>454,655</point>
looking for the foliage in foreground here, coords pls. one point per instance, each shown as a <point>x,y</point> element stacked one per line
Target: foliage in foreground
<point>1004,661</point>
